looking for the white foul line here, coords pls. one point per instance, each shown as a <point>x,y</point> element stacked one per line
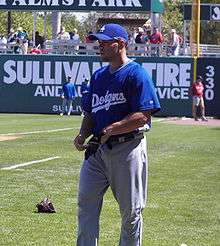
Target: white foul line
<point>34,132</point>
<point>29,163</point>
<point>158,120</point>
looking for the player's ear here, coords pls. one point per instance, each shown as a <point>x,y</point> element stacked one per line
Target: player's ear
<point>121,43</point>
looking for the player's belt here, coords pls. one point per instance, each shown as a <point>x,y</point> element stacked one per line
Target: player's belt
<point>122,138</point>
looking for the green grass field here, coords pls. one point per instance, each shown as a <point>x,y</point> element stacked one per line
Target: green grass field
<point>183,197</point>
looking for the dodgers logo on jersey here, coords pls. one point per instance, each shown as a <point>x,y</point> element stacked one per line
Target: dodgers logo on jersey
<point>105,102</point>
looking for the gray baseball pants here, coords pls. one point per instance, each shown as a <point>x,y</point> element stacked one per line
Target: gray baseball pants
<point>124,168</point>
<point>67,104</point>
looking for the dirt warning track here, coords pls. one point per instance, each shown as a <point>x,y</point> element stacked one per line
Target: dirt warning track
<point>8,138</point>
<point>190,121</point>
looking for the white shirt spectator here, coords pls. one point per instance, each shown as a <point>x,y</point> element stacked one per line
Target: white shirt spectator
<point>3,42</point>
<point>12,36</point>
<point>75,37</point>
<point>63,35</point>
<point>175,42</point>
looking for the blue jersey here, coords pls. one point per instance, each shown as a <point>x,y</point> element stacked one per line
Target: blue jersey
<point>69,91</point>
<point>114,95</point>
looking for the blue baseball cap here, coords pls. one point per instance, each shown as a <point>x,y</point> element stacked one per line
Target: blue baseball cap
<point>110,32</point>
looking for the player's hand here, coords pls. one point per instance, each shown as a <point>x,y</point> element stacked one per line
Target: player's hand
<point>104,138</point>
<point>106,134</point>
<point>79,143</point>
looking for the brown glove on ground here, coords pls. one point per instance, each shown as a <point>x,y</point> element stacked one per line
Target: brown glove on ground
<point>45,206</point>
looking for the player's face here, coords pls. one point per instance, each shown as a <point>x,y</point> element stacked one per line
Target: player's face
<point>108,50</point>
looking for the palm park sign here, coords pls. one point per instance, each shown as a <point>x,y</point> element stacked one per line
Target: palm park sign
<point>83,5</point>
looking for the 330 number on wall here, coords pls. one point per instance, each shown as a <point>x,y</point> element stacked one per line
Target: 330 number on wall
<point>210,83</point>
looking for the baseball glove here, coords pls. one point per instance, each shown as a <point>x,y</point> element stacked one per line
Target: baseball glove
<point>45,206</point>
<point>92,146</point>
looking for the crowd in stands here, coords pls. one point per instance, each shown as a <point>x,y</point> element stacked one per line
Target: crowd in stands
<point>145,36</point>
<point>18,40</point>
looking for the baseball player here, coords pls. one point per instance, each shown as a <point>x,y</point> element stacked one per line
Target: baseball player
<point>84,90</point>
<point>196,91</point>
<point>68,95</point>
<point>122,99</point>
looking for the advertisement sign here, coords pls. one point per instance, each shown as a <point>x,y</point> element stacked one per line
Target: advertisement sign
<point>77,5</point>
<point>33,83</point>
<point>172,78</point>
<point>215,13</point>
<point>207,12</point>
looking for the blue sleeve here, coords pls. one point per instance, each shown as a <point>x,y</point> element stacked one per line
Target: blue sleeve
<point>141,91</point>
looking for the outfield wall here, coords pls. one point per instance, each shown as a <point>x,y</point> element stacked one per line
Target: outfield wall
<point>33,83</point>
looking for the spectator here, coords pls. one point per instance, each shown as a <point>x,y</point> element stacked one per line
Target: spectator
<point>131,38</point>
<point>63,35</point>
<point>89,47</point>
<point>87,39</point>
<point>156,38</point>
<point>196,92</point>
<point>35,51</point>
<point>39,40</point>
<point>12,36</point>
<point>75,36</point>
<point>147,37</point>
<point>12,41</point>
<point>139,39</point>
<point>175,43</point>
<point>3,42</point>
<point>22,39</point>
<point>68,95</point>
<point>84,90</point>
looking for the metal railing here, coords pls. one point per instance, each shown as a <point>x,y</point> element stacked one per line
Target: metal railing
<point>204,50</point>
<point>69,47</point>
<point>210,50</point>
<point>8,48</point>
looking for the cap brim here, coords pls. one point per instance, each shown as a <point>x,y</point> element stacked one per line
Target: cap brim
<point>100,36</point>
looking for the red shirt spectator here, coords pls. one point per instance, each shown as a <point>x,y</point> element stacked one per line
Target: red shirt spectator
<point>156,37</point>
<point>35,51</point>
<point>87,39</point>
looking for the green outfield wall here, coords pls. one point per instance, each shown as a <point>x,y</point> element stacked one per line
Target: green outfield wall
<point>33,83</point>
